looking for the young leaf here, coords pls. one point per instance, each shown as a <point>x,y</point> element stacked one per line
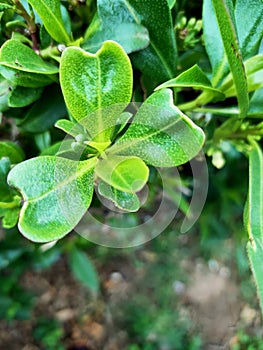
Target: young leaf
<point>56,192</point>
<point>160,133</point>
<point>69,127</point>
<point>83,269</point>
<point>194,77</point>
<point>253,216</point>
<point>49,11</point>
<point>123,200</point>
<point>92,82</point>
<point>12,151</point>
<point>127,174</point>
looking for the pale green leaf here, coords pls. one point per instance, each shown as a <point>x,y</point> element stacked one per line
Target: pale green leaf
<point>69,127</point>
<point>127,174</point>
<point>160,133</point>
<point>56,193</point>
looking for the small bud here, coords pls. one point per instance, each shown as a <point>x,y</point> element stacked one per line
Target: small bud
<point>61,47</point>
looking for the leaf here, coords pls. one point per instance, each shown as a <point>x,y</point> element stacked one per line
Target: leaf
<point>124,200</point>
<point>92,82</point>
<point>249,23</point>
<point>56,192</point>
<point>155,61</point>
<point>194,77</point>
<point>160,133</point>
<point>69,127</point>
<point>45,112</point>
<point>15,55</point>
<point>253,216</point>
<point>4,93</point>
<point>23,96</point>
<point>49,11</point>
<point>127,174</point>
<point>83,269</point>
<point>12,151</point>
<point>254,73</point>
<point>131,36</point>
<point>229,38</point>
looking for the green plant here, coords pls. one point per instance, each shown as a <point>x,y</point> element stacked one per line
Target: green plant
<point>63,68</point>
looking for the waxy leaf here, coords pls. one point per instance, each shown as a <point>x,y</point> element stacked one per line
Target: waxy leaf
<point>127,174</point>
<point>123,200</point>
<point>253,216</point>
<point>232,50</point>
<point>160,133</point>
<point>131,36</point>
<point>23,96</point>
<point>56,192</point>
<point>49,11</point>
<point>91,82</point>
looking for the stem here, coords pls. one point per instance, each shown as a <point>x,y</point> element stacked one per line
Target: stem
<point>30,23</point>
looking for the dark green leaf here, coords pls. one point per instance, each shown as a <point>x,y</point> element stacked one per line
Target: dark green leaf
<point>56,192</point>
<point>23,96</point>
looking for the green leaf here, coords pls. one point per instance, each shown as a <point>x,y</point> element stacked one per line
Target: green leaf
<point>83,269</point>
<point>160,133</point>
<point>23,96</point>
<point>12,151</point>
<point>254,73</point>
<point>56,192</point>
<point>45,112</point>
<point>4,93</point>
<point>123,200</point>
<point>15,55</point>
<point>229,38</point>
<point>253,216</point>
<point>155,61</point>
<point>92,82</point>
<point>131,36</point>
<point>171,3</point>
<point>249,23</point>
<point>127,174</point>
<point>50,13</point>
<point>69,127</point>
<point>194,77</point>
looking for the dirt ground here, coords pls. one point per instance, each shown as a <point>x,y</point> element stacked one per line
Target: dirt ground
<point>211,298</point>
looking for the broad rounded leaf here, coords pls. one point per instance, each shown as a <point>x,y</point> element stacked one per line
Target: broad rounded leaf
<point>91,82</point>
<point>56,192</point>
<point>160,133</point>
<point>23,96</point>
<point>128,174</point>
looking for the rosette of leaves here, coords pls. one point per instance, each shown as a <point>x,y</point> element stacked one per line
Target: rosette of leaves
<point>110,151</point>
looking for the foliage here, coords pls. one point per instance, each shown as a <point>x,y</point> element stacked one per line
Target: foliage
<point>75,67</point>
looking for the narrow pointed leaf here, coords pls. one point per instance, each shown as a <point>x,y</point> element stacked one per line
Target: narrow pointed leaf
<point>91,83</point>
<point>49,11</point>
<point>160,133</point>
<point>127,174</point>
<point>253,216</point>
<point>56,192</point>
<point>232,50</point>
